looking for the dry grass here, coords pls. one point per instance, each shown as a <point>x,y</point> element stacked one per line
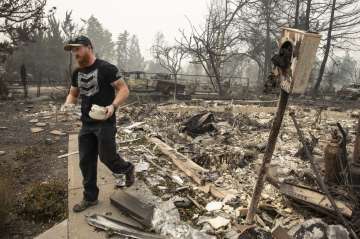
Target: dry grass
<point>27,153</point>
<point>45,202</point>
<point>6,198</point>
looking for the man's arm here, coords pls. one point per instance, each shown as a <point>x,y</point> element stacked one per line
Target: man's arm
<point>72,96</point>
<point>122,93</point>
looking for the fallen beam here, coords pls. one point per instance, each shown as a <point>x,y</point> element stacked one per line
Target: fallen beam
<point>189,167</point>
<point>314,198</point>
<point>215,191</point>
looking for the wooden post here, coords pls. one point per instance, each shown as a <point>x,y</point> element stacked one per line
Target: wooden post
<point>175,87</point>
<point>39,82</point>
<point>284,96</point>
<point>356,152</point>
<point>355,164</point>
<point>70,70</point>
<point>4,91</point>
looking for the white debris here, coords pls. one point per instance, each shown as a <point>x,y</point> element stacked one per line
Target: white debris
<point>129,128</point>
<point>40,124</point>
<point>36,130</point>
<point>166,221</point>
<point>228,198</point>
<point>228,209</point>
<point>214,206</point>
<point>162,188</point>
<point>218,222</point>
<point>315,228</point>
<point>177,180</point>
<point>142,166</point>
<point>337,232</point>
<point>57,132</point>
<point>154,180</point>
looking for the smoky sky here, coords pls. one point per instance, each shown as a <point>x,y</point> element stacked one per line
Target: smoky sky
<point>141,17</point>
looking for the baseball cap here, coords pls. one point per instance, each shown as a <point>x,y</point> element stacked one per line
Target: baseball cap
<point>78,41</point>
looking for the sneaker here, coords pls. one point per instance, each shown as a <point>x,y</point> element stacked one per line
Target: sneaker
<point>125,179</point>
<point>79,207</point>
<point>130,175</point>
<point>120,180</point>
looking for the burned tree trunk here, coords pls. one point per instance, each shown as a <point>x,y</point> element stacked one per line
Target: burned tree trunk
<point>356,152</point>
<point>3,86</point>
<point>327,50</point>
<point>39,82</point>
<point>24,80</point>
<point>297,12</point>
<point>307,18</point>
<point>267,42</point>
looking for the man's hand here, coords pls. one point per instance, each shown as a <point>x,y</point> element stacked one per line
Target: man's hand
<point>110,109</point>
<point>67,107</point>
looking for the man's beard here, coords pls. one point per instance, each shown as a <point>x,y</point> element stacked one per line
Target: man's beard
<point>84,61</point>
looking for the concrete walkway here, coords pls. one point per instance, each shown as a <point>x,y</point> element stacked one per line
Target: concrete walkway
<point>59,231</point>
<point>76,227</point>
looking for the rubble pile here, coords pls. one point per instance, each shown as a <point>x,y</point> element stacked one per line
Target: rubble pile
<point>202,159</point>
<point>227,147</point>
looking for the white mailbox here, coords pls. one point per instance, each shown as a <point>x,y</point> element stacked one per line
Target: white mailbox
<point>304,46</point>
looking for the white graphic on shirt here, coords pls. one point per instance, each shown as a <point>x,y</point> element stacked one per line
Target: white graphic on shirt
<point>88,83</point>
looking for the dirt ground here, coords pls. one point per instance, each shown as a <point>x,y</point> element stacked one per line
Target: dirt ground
<point>30,158</point>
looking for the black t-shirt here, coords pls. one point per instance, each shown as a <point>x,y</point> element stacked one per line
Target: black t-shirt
<point>94,83</point>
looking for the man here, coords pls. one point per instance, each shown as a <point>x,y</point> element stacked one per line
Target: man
<point>97,82</point>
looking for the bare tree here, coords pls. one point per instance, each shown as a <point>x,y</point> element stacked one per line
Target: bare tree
<point>342,30</point>
<point>70,29</point>
<point>169,57</point>
<point>217,42</point>
<point>259,22</point>
<point>307,15</point>
<point>18,20</point>
<point>327,48</point>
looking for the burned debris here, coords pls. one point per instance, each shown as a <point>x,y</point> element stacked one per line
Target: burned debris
<point>218,186</point>
<point>202,156</point>
<point>202,178</point>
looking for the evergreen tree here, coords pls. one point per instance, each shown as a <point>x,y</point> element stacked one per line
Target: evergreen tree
<point>101,39</point>
<point>136,60</point>
<point>122,51</point>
